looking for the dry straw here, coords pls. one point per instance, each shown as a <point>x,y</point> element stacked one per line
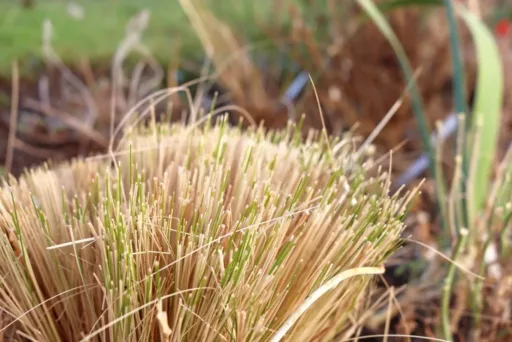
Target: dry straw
<point>204,234</point>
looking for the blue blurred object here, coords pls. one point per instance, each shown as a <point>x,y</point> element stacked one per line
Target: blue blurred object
<point>296,87</point>
<point>448,127</point>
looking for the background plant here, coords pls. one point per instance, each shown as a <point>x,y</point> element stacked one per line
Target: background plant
<point>474,216</point>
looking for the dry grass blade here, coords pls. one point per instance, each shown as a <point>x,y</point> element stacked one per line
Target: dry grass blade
<point>416,337</point>
<point>14,117</point>
<point>319,293</point>
<point>241,76</point>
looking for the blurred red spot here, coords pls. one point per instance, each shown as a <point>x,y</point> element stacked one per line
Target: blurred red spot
<point>502,28</point>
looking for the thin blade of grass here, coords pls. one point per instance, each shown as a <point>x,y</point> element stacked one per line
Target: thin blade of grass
<point>417,103</point>
<point>378,18</point>
<point>459,95</point>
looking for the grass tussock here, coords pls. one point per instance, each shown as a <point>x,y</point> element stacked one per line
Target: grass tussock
<point>195,234</point>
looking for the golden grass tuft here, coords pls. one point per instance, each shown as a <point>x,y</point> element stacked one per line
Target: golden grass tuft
<point>194,234</point>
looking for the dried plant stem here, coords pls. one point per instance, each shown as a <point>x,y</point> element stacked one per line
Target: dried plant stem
<point>447,289</point>
<point>14,116</point>
<point>488,222</point>
<point>439,179</point>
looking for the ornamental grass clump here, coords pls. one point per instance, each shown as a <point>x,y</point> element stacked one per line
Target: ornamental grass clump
<point>197,234</point>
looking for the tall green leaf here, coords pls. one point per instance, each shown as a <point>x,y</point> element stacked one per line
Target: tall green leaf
<point>487,108</point>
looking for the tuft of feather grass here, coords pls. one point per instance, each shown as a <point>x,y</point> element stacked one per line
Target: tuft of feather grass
<point>195,234</point>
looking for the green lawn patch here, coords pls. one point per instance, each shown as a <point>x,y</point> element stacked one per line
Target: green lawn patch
<point>102,28</point>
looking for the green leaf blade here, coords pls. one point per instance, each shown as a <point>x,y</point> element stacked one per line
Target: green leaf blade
<point>487,108</point>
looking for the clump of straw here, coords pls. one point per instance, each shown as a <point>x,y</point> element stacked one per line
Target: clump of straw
<point>196,234</point>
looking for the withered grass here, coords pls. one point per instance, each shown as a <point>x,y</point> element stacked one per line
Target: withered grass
<point>195,234</point>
